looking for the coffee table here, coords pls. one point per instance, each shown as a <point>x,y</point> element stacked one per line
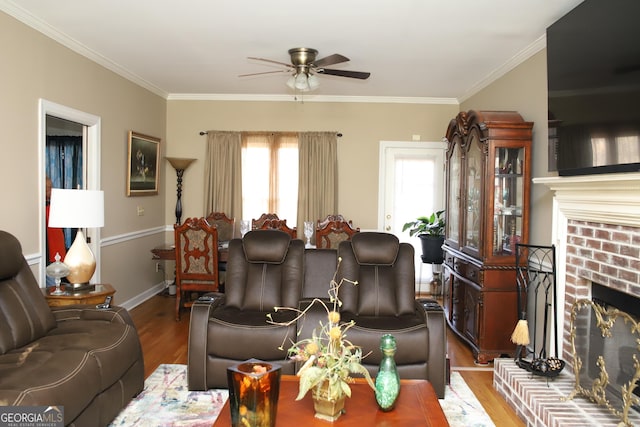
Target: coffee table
<point>417,405</point>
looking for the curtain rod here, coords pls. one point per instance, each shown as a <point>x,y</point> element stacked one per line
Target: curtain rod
<point>202,132</point>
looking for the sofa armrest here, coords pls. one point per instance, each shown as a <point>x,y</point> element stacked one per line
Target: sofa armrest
<point>114,314</point>
<point>198,336</point>
<point>437,362</point>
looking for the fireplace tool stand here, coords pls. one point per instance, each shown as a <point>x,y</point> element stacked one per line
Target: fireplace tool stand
<point>536,285</point>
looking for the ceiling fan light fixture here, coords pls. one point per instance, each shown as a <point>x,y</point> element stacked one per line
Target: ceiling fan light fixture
<point>291,82</point>
<point>302,82</point>
<point>313,81</point>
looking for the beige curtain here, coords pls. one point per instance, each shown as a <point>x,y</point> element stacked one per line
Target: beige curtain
<point>223,174</point>
<point>318,176</point>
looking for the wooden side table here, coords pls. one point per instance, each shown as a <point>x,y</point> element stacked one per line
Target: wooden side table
<point>95,296</point>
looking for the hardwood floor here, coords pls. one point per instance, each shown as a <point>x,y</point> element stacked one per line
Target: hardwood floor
<point>165,341</point>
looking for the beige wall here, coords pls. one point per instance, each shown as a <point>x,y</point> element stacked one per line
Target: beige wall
<point>363,126</point>
<point>34,67</point>
<point>524,89</point>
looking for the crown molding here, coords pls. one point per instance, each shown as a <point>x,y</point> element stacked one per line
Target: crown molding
<point>512,63</point>
<point>62,38</point>
<point>309,98</point>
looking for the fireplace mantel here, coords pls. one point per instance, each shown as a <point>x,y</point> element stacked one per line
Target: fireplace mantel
<point>607,198</point>
<point>603,198</point>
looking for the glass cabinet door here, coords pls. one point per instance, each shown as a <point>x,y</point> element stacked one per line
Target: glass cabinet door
<point>507,199</point>
<point>473,190</point>
<point>453,197</point>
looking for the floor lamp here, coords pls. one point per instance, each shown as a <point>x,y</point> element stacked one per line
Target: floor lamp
<point>180,165</point>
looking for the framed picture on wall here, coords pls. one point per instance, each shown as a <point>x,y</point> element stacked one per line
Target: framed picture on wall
<point>142,166</point>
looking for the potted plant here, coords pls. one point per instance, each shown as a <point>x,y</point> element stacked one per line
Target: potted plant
<point>328,359</point>
<point>430,230</point>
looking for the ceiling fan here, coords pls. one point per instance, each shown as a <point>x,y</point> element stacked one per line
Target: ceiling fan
<point>304,68</point>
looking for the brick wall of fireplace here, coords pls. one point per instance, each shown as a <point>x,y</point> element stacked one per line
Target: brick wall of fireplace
<point>608,254</point>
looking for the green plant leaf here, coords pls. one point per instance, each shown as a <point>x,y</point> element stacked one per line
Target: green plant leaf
<point>311,377</point>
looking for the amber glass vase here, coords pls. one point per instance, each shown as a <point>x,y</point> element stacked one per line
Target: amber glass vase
<point>254,387</point>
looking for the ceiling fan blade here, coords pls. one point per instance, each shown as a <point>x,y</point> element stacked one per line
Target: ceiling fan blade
<point>330,60</point>
<point>345,73</point>
<point>264,72</point>
<point>271,61</point>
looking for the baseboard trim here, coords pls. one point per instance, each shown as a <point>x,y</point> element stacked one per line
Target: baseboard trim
<point>144,296</point>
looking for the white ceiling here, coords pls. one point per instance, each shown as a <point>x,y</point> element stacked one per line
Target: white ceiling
<point>422,49</point>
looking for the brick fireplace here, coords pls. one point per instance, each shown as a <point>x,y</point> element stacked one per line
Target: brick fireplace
<point>596,230</point>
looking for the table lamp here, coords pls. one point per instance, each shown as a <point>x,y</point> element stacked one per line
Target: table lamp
<point>180,165</point>
<point>78,209</point>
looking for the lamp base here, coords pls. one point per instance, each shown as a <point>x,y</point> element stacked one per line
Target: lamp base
<point>80,260</point>
<point>79,287</point>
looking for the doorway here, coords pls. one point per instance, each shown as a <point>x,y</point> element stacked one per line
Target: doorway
<point>411,185</point>
<point>86,175</point>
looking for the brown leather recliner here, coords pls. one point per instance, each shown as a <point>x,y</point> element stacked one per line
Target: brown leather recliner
<point>383,302</point>
<point>231,328</point>
<point>264,270</point>
<point>86,359</point>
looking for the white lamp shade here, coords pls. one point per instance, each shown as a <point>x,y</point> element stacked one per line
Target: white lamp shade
<point>76,208</point>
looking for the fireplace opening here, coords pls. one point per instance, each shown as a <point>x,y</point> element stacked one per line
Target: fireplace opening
<point>623,345</point>
<point>605,345</point>
<point>609,297</point>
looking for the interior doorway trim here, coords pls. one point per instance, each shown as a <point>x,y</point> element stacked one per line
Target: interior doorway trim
<point>92,162</point>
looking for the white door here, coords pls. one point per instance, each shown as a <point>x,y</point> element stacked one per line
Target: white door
<point>411,185</point>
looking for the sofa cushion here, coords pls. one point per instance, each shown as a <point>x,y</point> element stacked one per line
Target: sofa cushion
<point>382,290</point>
<point>24,313</point>
<point>410,332</point>
<point>261,286</point>
<point>71,365</point>
<point>319,268</point>
<point>250,334</point>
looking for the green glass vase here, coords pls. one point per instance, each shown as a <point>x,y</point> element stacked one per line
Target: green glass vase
<point>387,380</point>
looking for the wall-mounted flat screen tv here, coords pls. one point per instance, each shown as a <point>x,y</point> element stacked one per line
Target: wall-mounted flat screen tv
<point>593,71</point>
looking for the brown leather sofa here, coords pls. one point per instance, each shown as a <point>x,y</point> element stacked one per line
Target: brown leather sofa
<point>383,302</point>
<point>85,359</point>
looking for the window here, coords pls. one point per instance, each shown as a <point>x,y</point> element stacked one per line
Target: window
<point>270,175</point>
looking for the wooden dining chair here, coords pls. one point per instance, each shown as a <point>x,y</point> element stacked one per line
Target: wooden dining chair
<point>256,224</point>
<point>226,231</point>
<point>333,230</point>
<point>279,224</point>
<point>224,224</point>
<point>332,217</point>
<point>196,260</point>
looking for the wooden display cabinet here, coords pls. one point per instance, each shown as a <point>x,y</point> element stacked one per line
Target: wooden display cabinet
<point>488,183</point>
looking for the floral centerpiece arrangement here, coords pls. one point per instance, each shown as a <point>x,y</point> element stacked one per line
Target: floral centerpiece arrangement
<point>328,358</point>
